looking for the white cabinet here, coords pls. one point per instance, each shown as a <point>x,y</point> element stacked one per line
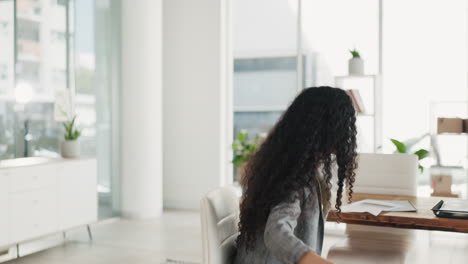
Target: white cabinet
<point>45,198</point>
<point>33,214</point>
<point>33,177</point>
<point>4,209</point>
<point>78,196</point>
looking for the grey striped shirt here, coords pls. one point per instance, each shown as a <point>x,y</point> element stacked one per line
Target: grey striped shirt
<point>292,229</point>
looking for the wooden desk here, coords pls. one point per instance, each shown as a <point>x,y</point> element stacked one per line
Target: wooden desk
<point>422,219</point>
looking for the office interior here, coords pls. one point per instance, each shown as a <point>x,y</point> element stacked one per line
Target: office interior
<point>118,117</point>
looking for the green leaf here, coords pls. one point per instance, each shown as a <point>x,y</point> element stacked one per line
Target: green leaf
<point>401,148</point>
<point>242,136</point>
<point>421,168</point>
<point>237,161</point>
<point>236,145</point>
<point>355,53</point>
<point>251,147</point>
<point>72,123</point>
<point>243,147</point>
<point>75,134</point>
<point>71,133</point>
<point>422,153</point>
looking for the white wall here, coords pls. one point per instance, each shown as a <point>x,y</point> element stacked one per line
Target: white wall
<point>141,123</point>
<point>264,28</point>
<point>197,107</point>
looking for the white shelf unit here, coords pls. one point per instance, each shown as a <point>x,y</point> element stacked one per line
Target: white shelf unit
<point>374,102</point>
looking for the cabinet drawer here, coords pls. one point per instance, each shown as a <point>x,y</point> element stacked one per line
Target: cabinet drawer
<point>33,214</point>
<point>77,193</point>
<point>4,210</point>
<point>30,178</point>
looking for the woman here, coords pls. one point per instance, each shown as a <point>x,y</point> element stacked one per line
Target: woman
<point>288,180</point>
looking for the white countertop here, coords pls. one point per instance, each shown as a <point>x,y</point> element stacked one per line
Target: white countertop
<point>31,161</point>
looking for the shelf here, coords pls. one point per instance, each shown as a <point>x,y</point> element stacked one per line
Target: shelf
<point>365,115</point>
<point>260,108</point>
<point>373,97</point>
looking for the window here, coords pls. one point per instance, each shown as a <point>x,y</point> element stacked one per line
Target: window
<point>58,37</point>
<point>29,30</point>
<point>59,76</point>
<point>3,72</point>
<point>58,2</point>
<point>4,26</point>
<point>7,63</point>
<point>265,70</point>
<point>420,63</point>
<point>38,61</point>
<point>425,65</point>
<point>97,91</point>
<point>44,65</point>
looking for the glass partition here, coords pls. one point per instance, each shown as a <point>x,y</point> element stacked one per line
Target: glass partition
<point>265,71</point>
<point>424,79</point>
<point>53,45</point>
<point>7,78</point>
<point>97,90</point>
<point>32,65</point>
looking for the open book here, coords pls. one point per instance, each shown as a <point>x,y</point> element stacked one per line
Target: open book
<point>375,207</point>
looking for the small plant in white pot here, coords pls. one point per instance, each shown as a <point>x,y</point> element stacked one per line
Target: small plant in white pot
<point>355,64</point>
<point>71,145</point>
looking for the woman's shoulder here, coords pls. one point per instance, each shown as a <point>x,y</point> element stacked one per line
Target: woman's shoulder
<point>307,192</point>
<point>301,196</point>
<point>309,196</point>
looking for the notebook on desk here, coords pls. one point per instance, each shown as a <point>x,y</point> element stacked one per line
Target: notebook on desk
<point>375,207</point>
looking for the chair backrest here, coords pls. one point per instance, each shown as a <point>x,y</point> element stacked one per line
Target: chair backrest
<point>219,218</point>
<point>387,174</point>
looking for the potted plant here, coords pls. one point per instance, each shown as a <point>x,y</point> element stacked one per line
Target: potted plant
<point>405,148</point>
<point>355,64</point>
<point>70,147</point>
<point>243,147</point>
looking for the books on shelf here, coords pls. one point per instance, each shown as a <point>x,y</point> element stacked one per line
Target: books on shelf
<point>452,125</point>
<point>357,100</point>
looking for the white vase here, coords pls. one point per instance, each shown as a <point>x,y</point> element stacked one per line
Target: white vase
<point>70,149</point>
<point>356,66</point>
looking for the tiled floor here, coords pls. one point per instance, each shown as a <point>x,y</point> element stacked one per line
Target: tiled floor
<point>177,234</point>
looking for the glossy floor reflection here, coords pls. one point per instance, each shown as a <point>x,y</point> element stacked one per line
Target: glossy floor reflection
<point>383,245</point>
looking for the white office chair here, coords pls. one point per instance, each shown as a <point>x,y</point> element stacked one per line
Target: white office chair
<point>219,218</point>
<point>393,174</point>
<point>387,174</point>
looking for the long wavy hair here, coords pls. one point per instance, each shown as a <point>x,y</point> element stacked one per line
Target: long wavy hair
<point>316,131</point>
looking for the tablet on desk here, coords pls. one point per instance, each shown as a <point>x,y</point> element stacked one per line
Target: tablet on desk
<point>451,209</point>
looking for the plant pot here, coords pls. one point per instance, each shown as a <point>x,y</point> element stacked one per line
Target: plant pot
<point>356,66</point>
<point>70,149</point>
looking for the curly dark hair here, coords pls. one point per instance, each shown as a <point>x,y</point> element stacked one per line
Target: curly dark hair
<point>317,130</point>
